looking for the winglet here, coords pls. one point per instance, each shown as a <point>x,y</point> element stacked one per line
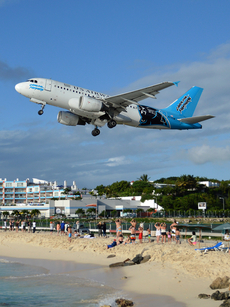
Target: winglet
<point>176,83</point>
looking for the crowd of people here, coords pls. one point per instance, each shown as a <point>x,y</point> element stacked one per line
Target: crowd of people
<point>173,234</point>
<point>62,228</point>
<point>28,225</point>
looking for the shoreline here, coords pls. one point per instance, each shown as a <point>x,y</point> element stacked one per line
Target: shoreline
<point>173,272</point>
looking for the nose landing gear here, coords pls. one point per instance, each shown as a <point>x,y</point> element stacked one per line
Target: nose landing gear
<point>40,112</point>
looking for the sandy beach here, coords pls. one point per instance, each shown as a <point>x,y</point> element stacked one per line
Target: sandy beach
<point>176,271</point>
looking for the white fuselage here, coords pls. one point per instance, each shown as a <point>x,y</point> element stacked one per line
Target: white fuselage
<point>46,91</point>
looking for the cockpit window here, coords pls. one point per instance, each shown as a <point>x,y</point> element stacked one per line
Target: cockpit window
<point>34,81</point>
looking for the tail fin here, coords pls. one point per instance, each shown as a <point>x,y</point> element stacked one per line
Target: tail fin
<point>186,104</point>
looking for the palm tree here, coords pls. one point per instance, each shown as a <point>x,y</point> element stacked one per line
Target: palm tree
<point>80,211</point>
<point>144,177</point>
<point>35,212</point>
<point>91,210</point>
<point>5,213</point>
<point>15,213</point>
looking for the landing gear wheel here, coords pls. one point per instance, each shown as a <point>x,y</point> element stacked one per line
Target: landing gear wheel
<point>40,112</point>
<point>112,123</point>
<point>95,132</point>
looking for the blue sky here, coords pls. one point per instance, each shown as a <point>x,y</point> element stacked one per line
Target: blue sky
<point>112,47</point>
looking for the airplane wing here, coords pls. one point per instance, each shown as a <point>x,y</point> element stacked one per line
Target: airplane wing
<point>195,119</point>
<point>121,101</point>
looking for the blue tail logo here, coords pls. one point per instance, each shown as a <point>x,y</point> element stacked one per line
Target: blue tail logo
<point>184,103</point>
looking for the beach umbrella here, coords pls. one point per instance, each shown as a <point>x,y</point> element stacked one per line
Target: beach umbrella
<point>222,227</point>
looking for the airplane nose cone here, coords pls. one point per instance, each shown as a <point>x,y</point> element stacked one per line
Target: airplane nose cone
<point>18,87</point>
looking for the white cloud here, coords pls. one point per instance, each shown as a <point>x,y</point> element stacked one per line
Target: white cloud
<point>117,161</point>
<point>205,153</point>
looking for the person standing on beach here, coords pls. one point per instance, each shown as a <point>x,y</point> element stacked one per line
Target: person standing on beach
<point>99,227</point>
<point>69,234</point>
<point>58,228</point>
<point>177,236</point>
<point>104,229</point>
<point>66,228</point>
<point>29,225</point>
<point>118,227</point>
<point>23,224</point>
<point>17,225</point>
<point>132,229</point>
<point>77,226</point>
<point>62,227</point>
<point>5,225</point>
<point>34,226</point>
<point>163,232</point>
<point>51,227</point>
<point>158,231</point>
<point>169,236</point>
<point>149,234</point>
<point>173,229</point>
<point>141,229</point>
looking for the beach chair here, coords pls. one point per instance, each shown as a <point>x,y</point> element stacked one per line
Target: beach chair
<point>218,247</point>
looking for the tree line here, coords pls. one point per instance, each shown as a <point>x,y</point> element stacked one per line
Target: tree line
<point>179,193</point>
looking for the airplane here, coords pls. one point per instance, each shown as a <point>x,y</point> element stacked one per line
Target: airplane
<point>86,106</point>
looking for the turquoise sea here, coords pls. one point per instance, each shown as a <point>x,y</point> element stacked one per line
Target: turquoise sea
<point>34,282</point>
<point>29,285</point>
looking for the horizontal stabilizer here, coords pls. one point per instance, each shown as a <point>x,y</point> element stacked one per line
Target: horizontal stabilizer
<point>195,119</point>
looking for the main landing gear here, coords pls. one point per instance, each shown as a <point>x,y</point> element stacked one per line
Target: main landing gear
<point>95,132</point>
<point>40,112</point>
<point>112,123</point>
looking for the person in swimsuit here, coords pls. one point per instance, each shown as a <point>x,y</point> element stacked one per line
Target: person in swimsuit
<point>17,225</point>
<point>141,229</point>
<point>128,240</point>
<point>69,234</point>
<point>133,234</point>
<point>58,228</point>
<point>177,236</point>
<point>163,232</point>
<point>118,228</point>
<point>173,229</point>
<point>158,231</point>
<point>10,225</point>
<point>120,239</point>
<point>149,234</point>
<point>169,236</point>
<point>132,228</point>
<point>192,240</point>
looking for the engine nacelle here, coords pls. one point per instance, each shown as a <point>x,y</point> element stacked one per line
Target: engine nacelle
<point>91,105</point>
<point>67,118</point>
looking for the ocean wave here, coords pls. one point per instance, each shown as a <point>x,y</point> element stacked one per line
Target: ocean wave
<point>5,261</point>
<point>29,276</point>
<point>110,299</point>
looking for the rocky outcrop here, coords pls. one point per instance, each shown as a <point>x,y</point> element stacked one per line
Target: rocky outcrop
<point>220,296</point>
<point>124,303</point>
<point>220,283</point>
<point>205,296</point>
<point>121,302</point>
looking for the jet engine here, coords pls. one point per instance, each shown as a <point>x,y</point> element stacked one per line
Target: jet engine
<point>68,118</point>
<point>91,105</point>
